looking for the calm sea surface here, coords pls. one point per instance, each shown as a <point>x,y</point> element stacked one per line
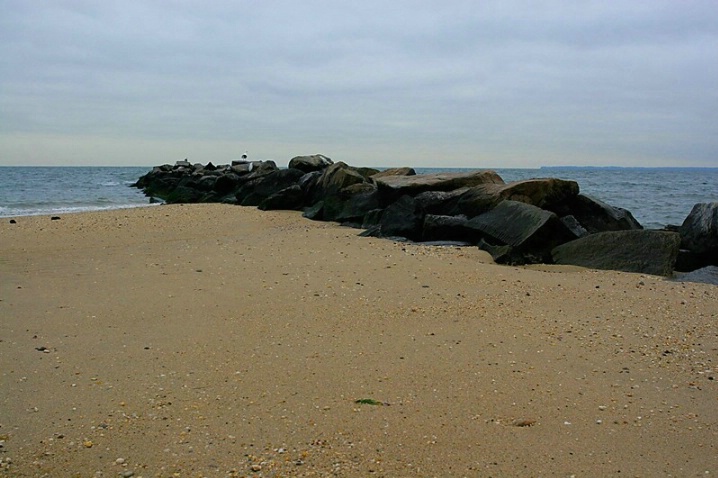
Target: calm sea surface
<point>655,196</point>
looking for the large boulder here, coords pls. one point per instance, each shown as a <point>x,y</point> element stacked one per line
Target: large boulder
<point>290,199</point>
<point>253,192</point>
<point>441,203</point>
<point>641,251</point>
<point>263,167</point>
<point>404,218</point>
<point>543,193</point>
<point>335,178</point>
<point>518,224</point>
<point>393,187</point>
<point>476,200</point>
<point>349,205</point>
<point>595,215</point>
<point>395,172</point>
<point>227,183</point>
<point>446,228</point>
<point>308,164</point>
<point>699,232</point>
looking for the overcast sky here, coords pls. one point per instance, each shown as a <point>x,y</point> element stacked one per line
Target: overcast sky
<point>372,83</point>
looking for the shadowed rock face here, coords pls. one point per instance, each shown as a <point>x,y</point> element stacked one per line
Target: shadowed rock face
<point>648,252</point>
<point>529,231</point>
<point>394,172</point>
<point>595,215</point>
<point>699,231</point>
<point>404,218</point>
<point>513,223</point>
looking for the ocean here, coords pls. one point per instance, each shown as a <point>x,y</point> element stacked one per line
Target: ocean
<point>655,196</point>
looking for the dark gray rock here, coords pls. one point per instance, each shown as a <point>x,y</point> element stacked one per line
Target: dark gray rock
<point>351,203</point>
<point>206,183</point>
<point>289,199</point>
<point>371,231</point>
<point>543,193</point>
<point>574,226</point>
<point>309,180</point>
<point>335,178</point>
<point>308,164</point>
<point>596,216</point>
<point>441,203</point>
<point>404,218</point>
<point>500,254</point>
<point>314,211</point>
<point>244,167</point>
<point>367,173</point>
<point>260,167</point>
<point>183,193</point>
<point>518,224</point>
<point>397,186</point>
<point>372,218</point>
<point>476,200</point>
<point>699,231</point>
<point>253,192</point>
<point>444,228</point>
<point>227,183</point>
<point>642,251</point>
<point>395,172</point>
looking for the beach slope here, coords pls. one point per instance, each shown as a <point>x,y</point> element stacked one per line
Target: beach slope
<point>215,340</point>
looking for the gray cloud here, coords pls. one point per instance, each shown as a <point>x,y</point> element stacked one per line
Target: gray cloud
<point>423,83</point>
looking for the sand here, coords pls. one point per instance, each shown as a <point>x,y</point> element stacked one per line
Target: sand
<point>215,340</point>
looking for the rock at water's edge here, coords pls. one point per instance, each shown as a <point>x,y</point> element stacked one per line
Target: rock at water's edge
<point>699,231</point>
<point>642,251</point>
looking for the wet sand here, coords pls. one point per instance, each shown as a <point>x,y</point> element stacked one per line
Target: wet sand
<point>215,340</point>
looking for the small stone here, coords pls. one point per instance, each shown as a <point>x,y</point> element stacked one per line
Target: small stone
<point>120,461</point>
<point>127,474</point>
<point>87,444</point>
<point>256,468</point>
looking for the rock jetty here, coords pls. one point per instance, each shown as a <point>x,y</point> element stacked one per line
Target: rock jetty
<point>544,220</point>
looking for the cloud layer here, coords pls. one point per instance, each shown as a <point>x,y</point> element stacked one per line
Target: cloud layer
<point>420,83</point>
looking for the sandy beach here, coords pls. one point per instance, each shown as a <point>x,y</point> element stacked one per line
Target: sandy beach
<point>219,341</point>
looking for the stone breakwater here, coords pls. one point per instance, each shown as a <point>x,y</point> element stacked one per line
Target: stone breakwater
<point>544,220</point>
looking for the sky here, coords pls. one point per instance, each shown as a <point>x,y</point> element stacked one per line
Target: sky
<point>472,84</point>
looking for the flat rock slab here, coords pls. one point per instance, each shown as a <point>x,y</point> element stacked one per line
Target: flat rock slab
<point>511,222</point>
<point>641,251</point>
<point>413,185</point>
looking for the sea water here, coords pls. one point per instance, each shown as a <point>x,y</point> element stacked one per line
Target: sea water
<point>655,196</point>
<point>30,191</point>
